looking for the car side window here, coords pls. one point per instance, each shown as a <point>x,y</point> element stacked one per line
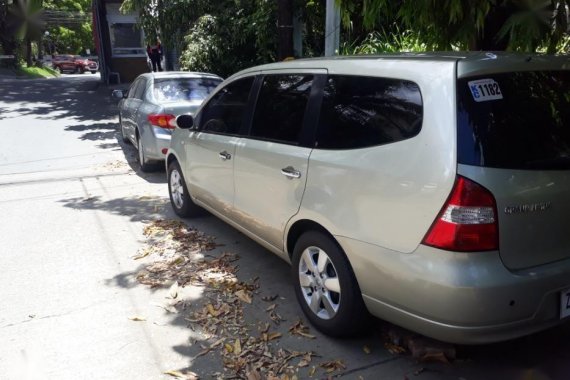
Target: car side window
<point>133,89</point>
<point>280,108</point>
<point>359,112</point>
<point>224,113</point>
<point>140,90</point>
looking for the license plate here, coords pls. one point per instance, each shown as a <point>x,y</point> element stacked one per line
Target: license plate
<point>565,304</point>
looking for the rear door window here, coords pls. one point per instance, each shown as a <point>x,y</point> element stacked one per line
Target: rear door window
<point>225,112</point>
<point>280,109</point>
<point>517,120</point>
<point>359,112</point>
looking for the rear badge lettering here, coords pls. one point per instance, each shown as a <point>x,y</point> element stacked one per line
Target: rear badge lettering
<point>484,90</point>
<point>523,209</point>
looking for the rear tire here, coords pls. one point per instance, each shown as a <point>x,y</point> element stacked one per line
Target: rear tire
<point>93,71</point>
<point>326,287</point>
<point>145,165</point>
<point>180,199</point>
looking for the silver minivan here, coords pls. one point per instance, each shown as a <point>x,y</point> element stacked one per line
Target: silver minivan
<point>429,190</point>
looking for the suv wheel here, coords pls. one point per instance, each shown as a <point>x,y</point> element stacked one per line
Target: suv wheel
<point>145,165</point>
<point>326,287</point>
<point>179,196</point>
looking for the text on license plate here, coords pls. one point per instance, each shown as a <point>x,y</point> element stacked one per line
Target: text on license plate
<point>565,303</point>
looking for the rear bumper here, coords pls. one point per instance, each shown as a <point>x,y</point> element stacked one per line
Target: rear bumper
<point>467,298</point>
<point>154,142</point>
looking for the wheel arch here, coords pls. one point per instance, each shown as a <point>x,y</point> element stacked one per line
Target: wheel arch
<point>301,226</point>
<point>170,158</point>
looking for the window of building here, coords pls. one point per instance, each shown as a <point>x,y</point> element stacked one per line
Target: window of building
<point>127,38</point>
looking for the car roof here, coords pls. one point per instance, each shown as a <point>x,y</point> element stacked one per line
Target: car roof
<point>468,63</point>
<point>179,74</point>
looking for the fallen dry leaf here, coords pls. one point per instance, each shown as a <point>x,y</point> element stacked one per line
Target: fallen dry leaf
<point>333,365</point>
<point>237,347</point>
<point>394,349</point>
<point>366,349</point>
<point>243,296</point>
<point>180,375</point>
<point>136,318</point>
<point>312,371</point>
<point>270,298</point>
<point>298,328</point>
<point>434,357</point>
<point>173,291</point>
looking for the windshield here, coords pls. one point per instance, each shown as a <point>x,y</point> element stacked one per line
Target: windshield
<point>515,120</point>
<point>190,89</point>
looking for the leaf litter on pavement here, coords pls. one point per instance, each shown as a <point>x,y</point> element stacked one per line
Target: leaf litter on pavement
<point>179,256</point>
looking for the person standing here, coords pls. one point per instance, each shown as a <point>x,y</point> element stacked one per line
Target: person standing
<point>154,52</point>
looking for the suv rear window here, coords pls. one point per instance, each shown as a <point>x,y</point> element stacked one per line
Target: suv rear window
<point>524,125</point>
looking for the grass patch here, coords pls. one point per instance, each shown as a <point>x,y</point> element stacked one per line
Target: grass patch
<point>36,72</point>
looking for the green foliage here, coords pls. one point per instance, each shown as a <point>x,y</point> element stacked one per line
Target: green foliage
<point>37,72</point>
<point>386,42</point>
<point>519,25</point>
<point>231,36</point>
<point>73,37</point>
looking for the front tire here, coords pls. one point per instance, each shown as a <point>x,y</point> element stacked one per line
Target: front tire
<point>326,287</point>
<point>180,199</point>
<point>123,134</point>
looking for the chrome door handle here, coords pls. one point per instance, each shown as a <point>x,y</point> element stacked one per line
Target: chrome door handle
<point>290,172</point>
<point>225,155</point>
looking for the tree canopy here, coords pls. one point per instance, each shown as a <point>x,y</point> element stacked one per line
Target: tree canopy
<point>518,25</point>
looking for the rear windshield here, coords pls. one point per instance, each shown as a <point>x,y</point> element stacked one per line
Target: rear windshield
<point>515,120</point>
<point>190,89</point>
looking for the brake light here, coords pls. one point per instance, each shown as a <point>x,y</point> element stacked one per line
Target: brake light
<point>468,220</point>
<point>162,120</point>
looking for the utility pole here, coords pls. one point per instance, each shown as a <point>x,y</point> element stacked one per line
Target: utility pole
<point>332,28</point>
<point>285,28</point>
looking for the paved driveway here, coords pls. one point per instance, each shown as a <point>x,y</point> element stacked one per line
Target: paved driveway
<point>75,303</point>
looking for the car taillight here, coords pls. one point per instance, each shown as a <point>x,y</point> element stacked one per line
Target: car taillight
<point>162,120</point>
<point>468,220</point>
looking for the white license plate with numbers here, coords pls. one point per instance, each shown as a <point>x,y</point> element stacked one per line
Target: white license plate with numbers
<point>565,304</point>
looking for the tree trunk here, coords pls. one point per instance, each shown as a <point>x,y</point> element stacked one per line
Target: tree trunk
<point>29,61</point>
<point>285,28</point>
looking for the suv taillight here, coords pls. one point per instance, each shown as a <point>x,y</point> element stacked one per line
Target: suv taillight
<point>162,120</point>
<point>468,220</point>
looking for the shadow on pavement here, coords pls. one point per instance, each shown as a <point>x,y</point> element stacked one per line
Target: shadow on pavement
<point>80,98</point>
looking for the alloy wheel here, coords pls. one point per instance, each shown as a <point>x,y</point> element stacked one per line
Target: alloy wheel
<point>320,285</point>
<point>176,189</point>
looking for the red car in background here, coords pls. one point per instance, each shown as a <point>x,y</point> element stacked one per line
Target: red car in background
<point>73,64</point>
<point>83,64</point>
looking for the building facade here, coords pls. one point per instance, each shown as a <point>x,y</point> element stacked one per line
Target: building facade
<point>120,42</point>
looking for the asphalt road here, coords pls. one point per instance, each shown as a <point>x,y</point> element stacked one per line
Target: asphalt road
<point>72,210</point>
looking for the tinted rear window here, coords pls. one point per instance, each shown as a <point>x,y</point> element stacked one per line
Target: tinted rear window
<point>523,122</point>
<point>359,112</point>
<point>191,89</point>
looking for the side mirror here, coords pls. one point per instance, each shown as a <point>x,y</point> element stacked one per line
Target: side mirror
<point>185,121</point>
<point>118,94</point>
